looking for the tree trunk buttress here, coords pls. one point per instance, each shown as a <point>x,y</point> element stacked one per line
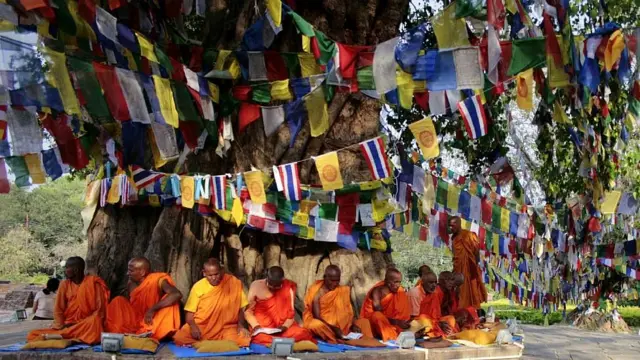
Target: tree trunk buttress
<point>178,240</point>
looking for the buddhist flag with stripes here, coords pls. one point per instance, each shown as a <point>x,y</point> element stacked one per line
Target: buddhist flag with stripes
<point>142,177</point>
<point>475,119</point>
<point>290,180</point>
<point>375,153</point>
<point>218,191</point>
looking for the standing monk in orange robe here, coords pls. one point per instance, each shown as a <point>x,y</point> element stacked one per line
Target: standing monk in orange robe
<point>215,309</point>
<point>387,307</point>
<point>80,305</point>
<point>426,302</point>
<point>271,306</point>
<point>466,255</point>
<point>153,304</point>
<point>328,313</point>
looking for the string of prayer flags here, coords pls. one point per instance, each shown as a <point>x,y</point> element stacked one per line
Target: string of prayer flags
<point>288,177</point>
<point>328,168</point>
<point>474,117</point>
<point>375,153</point>
<point>255,186</point>
<point>143,178</point>
<point>425,133</point>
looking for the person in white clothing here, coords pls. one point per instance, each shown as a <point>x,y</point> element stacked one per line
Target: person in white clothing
<point>45,300</point>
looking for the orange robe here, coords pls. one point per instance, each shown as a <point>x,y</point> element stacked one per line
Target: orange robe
<point>472,291</point>
<point>127,316</point>
<point>471,321</point>
<point>274,311</point>
<point>335,309</point>
<point>81,308</point>
<point>451,299</point>
<point>394,306</point>
<point>426,308</point>
<point>217,315</point>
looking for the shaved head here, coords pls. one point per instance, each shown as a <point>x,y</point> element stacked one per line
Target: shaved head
<point>446,280</point>
<point>458,278</point>
<point>141,262</point>
<point>331,277</point>
<point>275,278</point>
<point>213,271</point>
<point>138,268</point>
<point>74,269</point>
<point>211,263</point>
<point>454,225</point>
<point>424,269</point>
<point>393,279</point>
<point>429,282</point>
<point>332,269</point>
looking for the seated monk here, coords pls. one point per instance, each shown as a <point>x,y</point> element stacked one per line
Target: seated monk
<point>426,302</point>
<point>215,309</point>
<point>387,307</point>
<point>468,318</point>
<point>271,306</point>
<point>153,305</point>
<point>80,305</point>
<point>449,303</point>
<point>328,313</point>
<point>423,269</point>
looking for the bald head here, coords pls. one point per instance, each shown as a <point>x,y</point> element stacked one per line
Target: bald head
<point>454,225</point>
<point>74,269</point>
<point>138,268</point>
<point>275,277</point>
<point>331,277</point>
<point>429,282</point>
<point>213,271</point>
<point>424,269</point>
<point>458,278</point>
<point>446,280</point>
<point>393,279</point>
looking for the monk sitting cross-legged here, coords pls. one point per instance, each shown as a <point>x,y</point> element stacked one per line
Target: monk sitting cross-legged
<point>466,255</point>
<point>426,302</point>
<point>387,307</point>
<point>327,309</point>
<point>152,307</point>
<point>271,306</point>
<point>215,309</point>
<point>79,310</point>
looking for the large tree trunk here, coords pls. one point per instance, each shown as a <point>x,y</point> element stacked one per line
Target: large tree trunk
<point>178,240</point>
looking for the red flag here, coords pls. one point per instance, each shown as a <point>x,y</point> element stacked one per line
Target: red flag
<point>114,4</point>
<point>87,9</point>
<point>178,71</point>
<point>552,45</point>
<point>242,92</point>
<point>487,209</point>
<point>496,13</point>
<point>195,63</point>
<point>248,113</point>
<point>348,58</point>
<point>112,91</point>
<point>3,130</point>
<point>71,151</point>
<point>190,131</point>
<point>276,68</point>
<point>422,99</point>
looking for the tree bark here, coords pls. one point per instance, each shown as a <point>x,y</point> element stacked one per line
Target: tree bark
<point>178,241</point>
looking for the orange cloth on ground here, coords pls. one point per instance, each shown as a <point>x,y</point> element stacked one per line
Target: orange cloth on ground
<point>127,316</point>
<point>394,306</point>
<point>79,307</point>
<point>472,291</point>
<point>217,315</point>
<point>274,311</point>
<point>335,309</point>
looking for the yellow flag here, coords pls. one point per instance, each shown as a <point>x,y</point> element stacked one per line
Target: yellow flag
<point>146,48</point>
<point>557,76</point>
<point>405,89</point>
<point>255,185</point>
<point>610,202</point>
<point>317,108</point>
<point>274,7</point>
<point>300,218</point>
<point>237,212</point>
<point>450,32</point>
<point>614,49</point>
<point>59,78</point>
<point>425,134</point>
<point>370,185</point>
<point>504,219</point>
<point>329,171</point>
<point>280,90</point>
<point>559,114</point>
<point>165,98</point>
<point>34,164</point>
<point>92,193</point>
<point>524,87</point>
<point>306,47</point>
<point>154,200</point>
<point>308,65</point>
<point>187,190</point>
<point>114,191</point>
<point>214,90</point>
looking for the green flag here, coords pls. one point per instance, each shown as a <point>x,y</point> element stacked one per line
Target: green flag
<point>303,26</point>
<point>292,62</point>
<point>19,169</point>
<point>261,93</point>
<point>163,59</point>
<point>89,87</point>
<point>365,78</point>
<point>327,48</point>
<point>442,193</point>
<point>496,216</point>
<point>527,54</point>
<point>328,211</point>
<point>184,103</point>
<point>471,8</point>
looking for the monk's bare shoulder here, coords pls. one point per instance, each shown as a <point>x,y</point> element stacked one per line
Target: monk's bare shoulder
<point>379,292</point>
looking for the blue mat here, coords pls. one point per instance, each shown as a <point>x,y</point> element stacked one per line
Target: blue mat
<point>18,347</point>
<point>323,347</point>
<point>98,348</point>
<point>345,347</point>
<point>188,352</point>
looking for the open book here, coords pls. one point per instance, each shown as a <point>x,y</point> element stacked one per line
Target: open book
<point>352,336</point>
<point>267,331</point>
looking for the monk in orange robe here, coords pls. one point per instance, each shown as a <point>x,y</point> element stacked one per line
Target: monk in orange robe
<point>215,309</point>
<point>153,305</point>
<point>467,318</point>
<point>426,303</point>
<point>446,283</point>
<point>79,310</point>
<point>387,307</point>
<point>466,255</point>
<point>271,306</point>
<point>328,313</point>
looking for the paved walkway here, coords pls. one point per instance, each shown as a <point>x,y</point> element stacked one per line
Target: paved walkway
<point>565,342</point>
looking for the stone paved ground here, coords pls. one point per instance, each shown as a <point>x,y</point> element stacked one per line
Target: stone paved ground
<point>565,342</point>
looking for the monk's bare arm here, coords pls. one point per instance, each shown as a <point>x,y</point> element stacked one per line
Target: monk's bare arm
<point>287,323</point>
<point>376,296</point>
<point>191,320</point>
<point>315,305</point>
<point>173,295</point>
<point>249,311</point>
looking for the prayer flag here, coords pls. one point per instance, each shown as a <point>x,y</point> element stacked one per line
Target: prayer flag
<point>375,153</point>
<point>450,32</point>
<point>496,13</point>
<point>274,8</point>
<point>295,113</point>
<point>384,66</point>
<point>610,202</point>
<point>247,114</point>
<point>187,189</point>
<point>272,118</point>
<point>142,178</point>
<point>527,54</point>
<point>280,90</point>
<point>114,191</point>
<point>524,88</point>
<point>425,134</point>
<point>255,186</point>
<point>504,220</point>
<point>469,74</point>
<point>146,48</point>
<point>453,196</point>
<point>52,164</point>
<point>289,178</point>
<point>316,106</point>
<point>329,171</point>
<point>34,165</point>
<point>111,87</point>
<point>474,117</point>
<point>406,52</point>
<point>166,100</point>
<point>613,50</point>
<point>59,78</point>
<point>218,192</point>
<point>133,96</point>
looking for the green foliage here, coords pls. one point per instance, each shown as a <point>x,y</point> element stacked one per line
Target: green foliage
<point>51,212</point>
<point>409,254</point>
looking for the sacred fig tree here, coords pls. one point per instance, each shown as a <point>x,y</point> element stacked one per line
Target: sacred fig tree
<point>178,240</point>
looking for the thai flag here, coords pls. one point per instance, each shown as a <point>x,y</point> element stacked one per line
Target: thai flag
<point>142,177</point>
<point>290,180</point>
<point>218,191</point>
<point>376,156</point>
<point>475,119</point>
